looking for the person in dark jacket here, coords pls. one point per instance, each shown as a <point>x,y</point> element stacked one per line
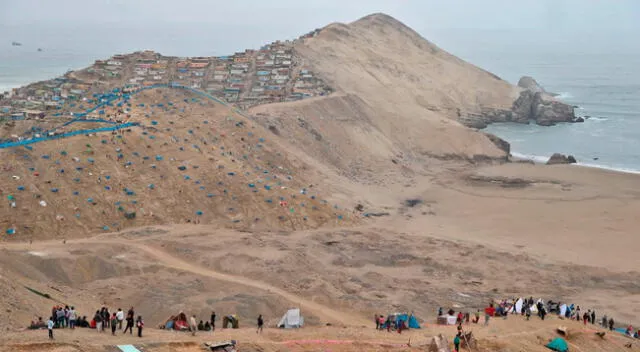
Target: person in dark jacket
<point>611,323</point>
<point>213,321</point>
<point>260,324</point>
<point>139,325</point>
<point>130,317</point>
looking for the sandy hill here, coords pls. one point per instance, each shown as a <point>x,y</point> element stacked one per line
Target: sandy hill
<point>192,161</point>
<point>257,211</point>
<point>397,96</point>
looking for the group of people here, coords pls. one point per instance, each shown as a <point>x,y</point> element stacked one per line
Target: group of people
<point>390,324</point>
<point>67,317</point>
<point>210,325</point>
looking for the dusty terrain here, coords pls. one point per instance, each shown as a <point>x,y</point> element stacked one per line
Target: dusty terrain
<point>392,205</point>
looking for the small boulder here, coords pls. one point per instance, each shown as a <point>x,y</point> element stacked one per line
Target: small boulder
<point>579,119</point>
<point>558,158</point>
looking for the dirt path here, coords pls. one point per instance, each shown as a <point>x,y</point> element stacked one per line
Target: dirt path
<point>165,259</point>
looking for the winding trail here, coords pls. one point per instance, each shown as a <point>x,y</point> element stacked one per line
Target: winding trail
<point>165,259</point>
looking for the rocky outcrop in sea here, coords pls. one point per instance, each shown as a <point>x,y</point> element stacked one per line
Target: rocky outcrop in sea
<point>534,104</point>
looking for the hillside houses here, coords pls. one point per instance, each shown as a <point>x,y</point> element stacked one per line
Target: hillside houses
<point>252,77</point>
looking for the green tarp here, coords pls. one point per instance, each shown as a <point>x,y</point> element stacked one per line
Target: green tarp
<point>558,344</point>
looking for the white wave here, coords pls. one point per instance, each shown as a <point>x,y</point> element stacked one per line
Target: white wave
<point>534,158</point>
<point>596,118</point>
<point>539,159</point>
<point>563,95</point>
<point>610,168</point>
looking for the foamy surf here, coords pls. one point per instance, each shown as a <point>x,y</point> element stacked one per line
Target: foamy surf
<point>539,159</point>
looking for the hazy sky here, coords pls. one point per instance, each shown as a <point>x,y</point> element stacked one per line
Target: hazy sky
<point>297,14</point>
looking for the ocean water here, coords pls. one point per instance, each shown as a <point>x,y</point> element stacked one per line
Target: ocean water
<point>599,72</point>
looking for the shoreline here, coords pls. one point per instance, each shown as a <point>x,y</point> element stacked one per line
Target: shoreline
<point>542,160</point>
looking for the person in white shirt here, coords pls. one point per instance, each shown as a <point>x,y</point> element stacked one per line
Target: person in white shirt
<point>193,325</point>
<point>50,327</point>
<point>72,317</point>
<point>120,317</point>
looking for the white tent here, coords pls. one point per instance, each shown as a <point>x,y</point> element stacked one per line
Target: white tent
<point>563,310</point>
<point>291,319</point>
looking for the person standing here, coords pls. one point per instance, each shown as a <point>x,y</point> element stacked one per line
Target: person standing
<point>213,321</point>
<point>120,317</point>
<point>106,318</point>
<point>98,319</point>
<point>114,324</point>
<point>477,318</point>
<point>72,318</point>
<point>527,312</point>
<point>130,315</point>
<point>593,317</point>
<point>50,327</point>
<point>456,342</point>
<point>193,325</point>
<point>140,325</point>
<point>611,324</point>
<point>261,324</point>
<point>375,317</point>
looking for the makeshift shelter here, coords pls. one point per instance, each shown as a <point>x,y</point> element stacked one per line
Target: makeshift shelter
<point>563,310</point>
<point>291,319</point>
<point>230,321</point>
<point>177,322</point>
<point>558,344</point>
<point>439,344</point>
<point>409,320</point>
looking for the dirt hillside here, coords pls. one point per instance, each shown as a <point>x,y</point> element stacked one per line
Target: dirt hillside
<point>194,161</point>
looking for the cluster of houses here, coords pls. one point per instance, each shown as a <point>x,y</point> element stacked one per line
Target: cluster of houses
<point>252,77</point>
<point>46,98</point>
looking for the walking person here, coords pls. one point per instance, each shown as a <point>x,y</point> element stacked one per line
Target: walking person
<point>261,324</point>
<point>527,312</point>
<point>213,321</point>
<point>129,326</point>
<point>456,342</point>
<point>114,324</point>
<point>488,313</point>
<point>139,325</point>
<point>193,325</point>
<point>50,327</point>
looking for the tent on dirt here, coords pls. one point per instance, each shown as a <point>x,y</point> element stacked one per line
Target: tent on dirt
<point>291,319</point>
<point>230,321</point>
<point>177,322</point>
<point>409,320</point>
<point>558,344</point>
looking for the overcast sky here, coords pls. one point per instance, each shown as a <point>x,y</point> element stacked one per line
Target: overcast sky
<point>297,14</point>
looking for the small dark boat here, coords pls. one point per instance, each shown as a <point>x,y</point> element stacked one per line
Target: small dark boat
<point>16,44</point>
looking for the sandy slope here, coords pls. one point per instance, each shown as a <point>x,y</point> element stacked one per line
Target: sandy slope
<point>480,230</point>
